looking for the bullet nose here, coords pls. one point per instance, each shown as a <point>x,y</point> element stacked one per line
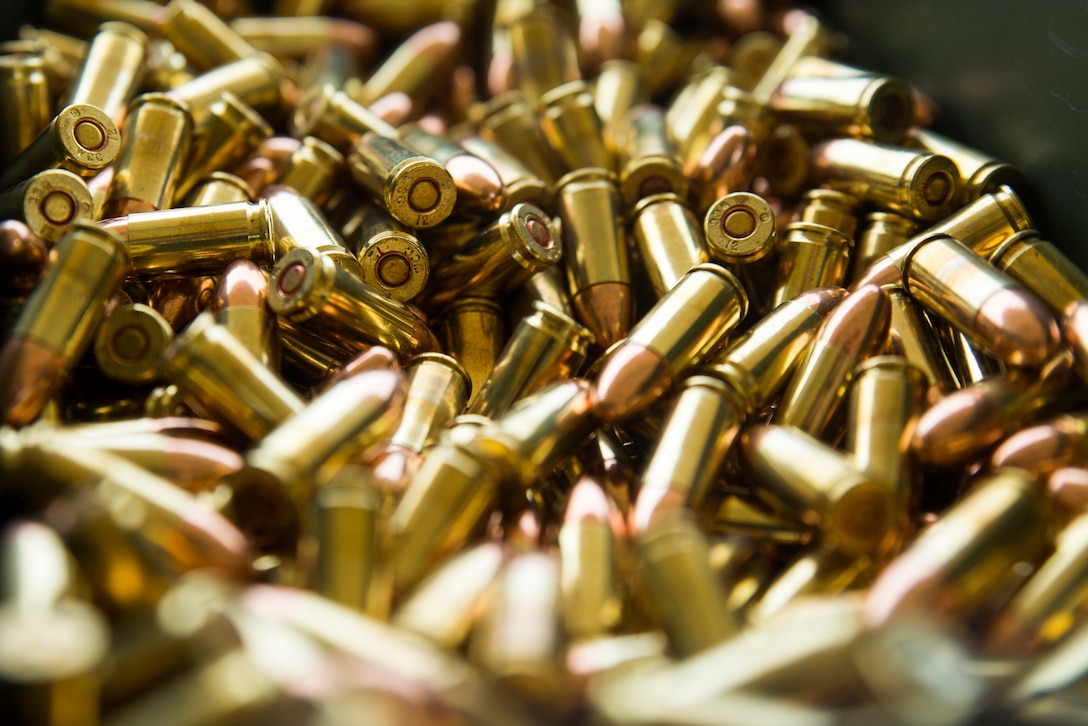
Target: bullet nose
<point>1018,327</point>
<point>632,379</point>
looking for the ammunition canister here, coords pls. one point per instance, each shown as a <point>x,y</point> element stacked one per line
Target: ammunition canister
<point>58,319</point>
<point>334,117</point>
<point>519,184</point>
<point>648,160</point>
<point>311,288</point>
<point>1042,268</point>
<point>417,190</point>
<point>24,96</point>
<point>911,336</point>
<point>241,306</point>
<point>854,331</point>
<point>221,375</point>
<point>544,53</point>
<point>510,122</point>
<point>130,343</point>
<point>391,258</point>
<point>229,133</point>
<point>880,108</point>
<point>111,71</point>
<point>81,139</point>
<point>915,184</point>
<point>681,329</point>
<point>259,81</point>
<point>883,232</point>
<point>545,347</point>
<point>297,223</point>
<point>474,333</point>
<point>48,202</point>
<point>589,575</point>
<point>417,67</point>
<point>219,188</point>
<point>812,255</point>
<point>598,270</point>
<point>986,305</point>
<point>157,133</point>
<point>807,480</point>
<point>617,88</point>
<point>669,238</point>
<point>979,173</point>
<point>479,185</point>
<point>572,127</point>
<point>205,39</point>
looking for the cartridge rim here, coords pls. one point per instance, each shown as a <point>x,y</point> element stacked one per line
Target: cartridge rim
<point>420,192</point>
<point>889,109</point>
<point>53,201</point>
<point>131,342</point>
<point>739,228</point>
<point>395,263</point>
<point>528,236</point>
<point>296,287</point>
<point>932,186</point>
<point>566,329</point>
<point>88,136</point>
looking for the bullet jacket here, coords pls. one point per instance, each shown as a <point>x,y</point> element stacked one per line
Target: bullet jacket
<point>670,241</point>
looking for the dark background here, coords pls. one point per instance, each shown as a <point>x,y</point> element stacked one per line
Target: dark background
<point>1009,77</point>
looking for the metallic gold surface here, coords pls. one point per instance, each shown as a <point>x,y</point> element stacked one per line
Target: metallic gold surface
<point>669,239</point>
<point>24,96</point>
<point>111,71</point>
<point>81,139</point>
<point>417,190</point>
<point>391,258</point>
<point>130,343</point>
<point>48,202</point>
<point>740,228</point>
<point>811,255</point>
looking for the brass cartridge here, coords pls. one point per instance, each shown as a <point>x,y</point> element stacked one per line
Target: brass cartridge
<point>417,67</point>
<point>805,479</point>
<point>572,127</point>
<point>130,343</point>
<point>58,319</point>
<point>545,347</point>
<point>196,240</point>
<point>663,56</point>
<point>49,203</point>
<point>111,71</point>
<point>519,184</point>
<point>81,139</point>
<point>617,88</point>
<point>259,81</point>
<point>510,122</point>
<point>334,117</point>
<point>597,265</point>
<point>815,572</point>
<point>588,568</point>
<point>474,333</point>
<point>500,257</point>
<point>347,534</point>
<point>740,229</point>
<point>670,240</point>
<point>681,329</point>
<point>78,15</point>
<point>309,288</point>
<point>61,53</point>
<point>229,133</point>
<point>1047,446</point>
<point>241,306</point>
<point>868,106</point>
<point>692,111</point>
<point>307,35</point>
<point>884,231</point>
<point>915,184</point>
<point>979,173</point>
<point>479,185</point>
<point>417,190</point>
<point>180,299</point>
<point>24,96</point>
<point>219,188</point>
<point>911,336</point>
<point>647,156</point>
<point>218,373</point>
<point>544,53</point>
<point>986,305</point>
<point>831,209</point>
<point>391,258</point>
<point>602,32</point>
<point>313,170</point>
<point>165,67</point>
<point>205,39</point>
<point>807,37</point>
<point>812,255</point>
<point>1042,268</point>
<point>297,223</point>
<point>726,166</point>
<point>157,133</point>
<point>783,160</point>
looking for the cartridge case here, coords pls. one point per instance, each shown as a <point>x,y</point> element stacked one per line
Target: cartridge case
<point>880,108</point>
<point>670,240</point>
<point>959,561</point>
<point>80,138</point>
<point>241,305</point>
<point>681,329</point>
<point>309,288</point>
<point>519,183</point>
<point>112,70</point>
<point>24,96</point>
<point>1042,268</point>
<point>480,190</point>
<point>158,130</point>
<point>812,255</point>
<point>58,319</point>
<point>474,332</point>
<point>546,346</point>
<point>784,159</point>
<point>589,576</point>
<point>883,232</point>
<point>219,188</point>
<point>663,56</point>
<point>805,479</point>
<point>306,34</point>
<point>196,240</point>
<point>572,127</point>
<point>130,343</point>
<point>336,118</point>
<point>417,190</point>
<point>979,173</point>
<point>807,37</point>
<point>692,111</point>
<point>618,88</point>
<point>259,81</point>
<point>229,133</point>
<point>597,265</point>
<point>48,202</point>
<point>987,306</point>
<point>829,208</point>
<point>313,170</point>
<point>740,229</point>
<point>814,572</point>
<point>500,257</point>
<point>297,223</point>
<point>544,53</point>
<point>217,372</point>
<point>417,67</point>
<point>911,336</point>
<point>647,156</point>
<point>510,121</point>
<point>391,258</point>
<point>205,39</point>
<point>915,184</point>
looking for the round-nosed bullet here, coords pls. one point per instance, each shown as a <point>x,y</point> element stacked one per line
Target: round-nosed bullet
<point>633,377</point>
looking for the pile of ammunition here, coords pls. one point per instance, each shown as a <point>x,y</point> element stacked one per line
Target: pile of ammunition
<point>522,362</point>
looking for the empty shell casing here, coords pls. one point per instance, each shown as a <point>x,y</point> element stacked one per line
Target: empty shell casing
<point>111,71</point>
<point>911,336</point>
<point>205,39</point>
<point>24,96</point>
<point>130,343</point>
<point>649,163</point>
<point>80,138</point>
<point>226,380</point>
<point>157,133</point>
<point>417,190</point>
<point>803,478</point>
<point>883,232</point>
<point>916,184</point>
<point>313,170</point>
<point>669,238</point>
<point>196,240</point>
<point>241,306</point>
<point>546,346</point>
<point>336,118</point>
<point>338,306</point>
<point>986,305</point>
<point>1042,268</point>
<point>474,333</point>
<point>297,223</point>
<point>58,319</point>
<point>543,51</point>
<point>740,229</point>
<point>48,202</point>
<point>229,132</point>
<point>572,127</point>
<point>500,257</point>
<point>979,173</point>
<point>511,122</point>
<point>812,255</point>
<point>479,185</point>
<point>391,258</point>
<point>864,106</point>
<point>259,81</point>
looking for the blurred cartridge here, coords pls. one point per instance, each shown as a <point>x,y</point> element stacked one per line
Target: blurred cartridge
<point>572,127</point>
<point>865,106</point>
<point>130,343</point>
<point>807,480</point>
<point>24,96</point>
<point>1075,332</point>
<point>911,336</point>
<point>694,108</point>
<point>854,331</point>
<point>112,70</point>
<point>58,319</point>
<point>80,138</point>
<point>1042,268</point>
<point>589,576</point>
<point>596,261</point>
<point>306,35</point>
<point>986,305</point>
<point>500,257</point>
<point>480,191</point>
<point>811,255</point>
<point>219,188</point>
<point>649,163</point>
<point>418,67</point>
<point>297,223</point>
<point>669,239</point>
<point>391,258</point>
<point>241,306</point>
<point>417,190</point>
<point>48,202</point>
<point>218,373</point>
<point>474,333</point>
<point>205,39</point>
<point>618,88</point>
<point>510,121</point>
<point>543,51</point>
<point>915,184</point>
<point>727,165</point>
<point>259,81</point>
<point>309,288</point>
<point>546,346</point>
<point>663,56</point>
<point>979,173</point>
<point>313,170</point>
<point>1047,446</point>
<point>334,117</point>
<point>807,36</point>
<point>519,184</point>
<point>23,256</point>
<point>883,232</point>
<point>347,534</point>
<point>229,133</point>
<point>157,133</point>
<point>830,208</point>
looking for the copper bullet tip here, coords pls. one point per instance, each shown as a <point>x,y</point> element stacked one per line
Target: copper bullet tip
<point>242,285</point>
<point>1069,485</point>
<point>30,374</point>
<point>393,108</point>
<point>479,187</point>
<point>1043,448</point>
<point>956,427</point>
<point>392,467</point>
<point>1075,331</point>
<point>883,271</point>
<point>607,309</point>
<point>1018,328</point>
<point>587,503</point>
<point>632,378</point>
<point>860,324</point>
